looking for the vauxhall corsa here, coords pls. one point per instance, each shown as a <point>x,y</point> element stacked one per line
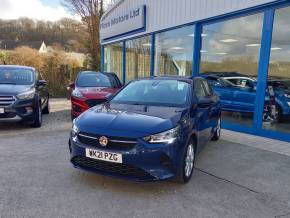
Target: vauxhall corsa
<point>151,130</point>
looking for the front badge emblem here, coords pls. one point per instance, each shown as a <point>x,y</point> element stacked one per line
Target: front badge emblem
<point>103,141</point>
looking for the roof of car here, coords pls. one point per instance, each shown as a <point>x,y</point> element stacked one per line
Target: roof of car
<point>223,74</point>
<point>91,71</point>
<point>168,77</point>
<point>17,66</point>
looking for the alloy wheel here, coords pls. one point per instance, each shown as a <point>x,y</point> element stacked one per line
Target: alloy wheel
<point>218,128</point>
<point>189,160</point>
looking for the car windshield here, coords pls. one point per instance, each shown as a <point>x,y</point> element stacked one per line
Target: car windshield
<point>280,84</point>
<point>170,93</point>
<point>16,76</point>
<point>215,81</point>
<point>94,80</point>
<point>287,84</point>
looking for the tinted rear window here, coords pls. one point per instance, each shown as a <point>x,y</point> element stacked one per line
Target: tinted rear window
<point>16,76</point>
<point>94,80</point>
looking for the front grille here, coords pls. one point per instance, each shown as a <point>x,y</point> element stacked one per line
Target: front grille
<point>114,143</point>
<point>115,168</point>
<point>6,100</point>
<point>94,102</point>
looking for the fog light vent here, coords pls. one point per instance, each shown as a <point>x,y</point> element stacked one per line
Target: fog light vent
<point>166,162</point>
<point>29,110</point>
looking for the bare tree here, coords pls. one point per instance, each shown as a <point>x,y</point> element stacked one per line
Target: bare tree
<point>90,12</point>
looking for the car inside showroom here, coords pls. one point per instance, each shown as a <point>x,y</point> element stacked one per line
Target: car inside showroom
<point>242,48</point>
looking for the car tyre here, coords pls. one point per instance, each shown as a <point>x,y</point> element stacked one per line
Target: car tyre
<point>267,116</point>
<point>46,110</point>
<point>279,114</point>
<point>217,133</point>
<point>187,162</point>
<point>38,118</point>
<point>72,117</point>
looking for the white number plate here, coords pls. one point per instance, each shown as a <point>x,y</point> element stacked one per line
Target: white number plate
<point>2,111</point>
<point>103,155</point>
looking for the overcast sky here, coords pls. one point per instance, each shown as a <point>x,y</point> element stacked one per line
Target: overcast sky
<point>36,9</point>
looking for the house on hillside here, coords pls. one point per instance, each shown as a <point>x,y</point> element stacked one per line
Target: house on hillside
<point>69,56</point>
<point>42,49</point>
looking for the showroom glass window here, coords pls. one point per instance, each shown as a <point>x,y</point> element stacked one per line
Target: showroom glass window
<point>114,59</point>
<point>229,61</point>
<point>138,58</point>
<point>276,114</point>
<point>174,52</point>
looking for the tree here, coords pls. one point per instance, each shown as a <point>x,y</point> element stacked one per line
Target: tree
<point>90,12</point>
<point>26,56</point>
<point>4,56</point>
<point>28,32</point>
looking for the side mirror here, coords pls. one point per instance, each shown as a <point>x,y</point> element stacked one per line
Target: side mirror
<point>72,85</point>
<point>41,83</point>
<point>204,102</point>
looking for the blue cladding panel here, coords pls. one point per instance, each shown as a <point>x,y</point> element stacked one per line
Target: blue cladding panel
<point>124,61</point>
<point>196,49</point>
<point>263,67</point>
<point>259,132</point>
<point>152,58</point>
<point>102,58</point>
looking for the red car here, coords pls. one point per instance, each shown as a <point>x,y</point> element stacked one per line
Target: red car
<point>92,88</point>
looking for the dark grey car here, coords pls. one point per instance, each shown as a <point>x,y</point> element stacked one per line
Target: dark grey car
<point>23,95</point>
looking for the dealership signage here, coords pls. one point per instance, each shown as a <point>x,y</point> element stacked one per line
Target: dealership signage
<point>125,23</point>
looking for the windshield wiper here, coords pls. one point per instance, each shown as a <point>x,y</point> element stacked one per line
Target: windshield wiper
<point>136,104</point>
<point>8,83</point>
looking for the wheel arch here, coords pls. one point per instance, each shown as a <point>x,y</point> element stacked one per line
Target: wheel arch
<point>195,139</point>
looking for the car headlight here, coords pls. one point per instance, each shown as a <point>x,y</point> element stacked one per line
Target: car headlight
<point>287,95</point>
<point>26,95</point>
<point>75,131</point>
<point>77,93</point>
<point>167,137</point>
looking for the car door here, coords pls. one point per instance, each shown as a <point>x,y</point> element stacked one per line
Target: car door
<point>245,96</point>
<point>202,112</point>
<point>223,90</point>
<point>213,109</point>
<point>42,90</point>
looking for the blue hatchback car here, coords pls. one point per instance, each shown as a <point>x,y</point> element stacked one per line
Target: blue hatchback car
<point>150,130</point>
<point>235,97</point>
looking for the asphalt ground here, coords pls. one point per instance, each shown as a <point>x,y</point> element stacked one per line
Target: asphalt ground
<point>230,180</point>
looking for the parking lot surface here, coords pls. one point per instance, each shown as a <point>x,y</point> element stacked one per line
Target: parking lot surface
<point>230,180</point>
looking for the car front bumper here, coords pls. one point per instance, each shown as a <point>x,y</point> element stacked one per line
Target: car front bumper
<point>144,162</point>
<point>80,105</point>
<point>20,110</point>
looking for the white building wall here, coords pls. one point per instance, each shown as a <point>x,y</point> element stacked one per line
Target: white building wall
<point>163,14</point>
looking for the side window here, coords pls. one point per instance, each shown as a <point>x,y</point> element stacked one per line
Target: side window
<point>38,75</point>
<point>118,83</point>
<point>234,81</point>
<point>213,81</point>
<point>113,80</point>
<point>199,89</point>
<point>207,87</point>
<point>222,83</point>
